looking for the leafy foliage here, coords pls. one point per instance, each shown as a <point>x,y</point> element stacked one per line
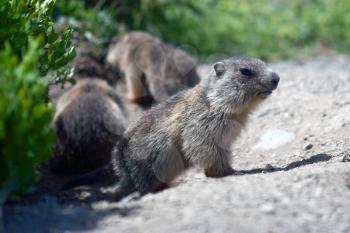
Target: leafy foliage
<point>97,23</point>
<point>31,55</point>
<point>21,20</point>
<point>270,29</point>
<point>25,135</point>
<point>267,29</point>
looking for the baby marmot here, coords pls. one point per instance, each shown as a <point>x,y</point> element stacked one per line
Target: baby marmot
<point>151,67</point>
<point>195,127</point>
<point>89,120</point>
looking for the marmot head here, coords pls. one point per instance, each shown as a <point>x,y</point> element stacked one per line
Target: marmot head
<point>238,84</point>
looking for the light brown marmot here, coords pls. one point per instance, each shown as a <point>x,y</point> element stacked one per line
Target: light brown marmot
<point>151,68</point>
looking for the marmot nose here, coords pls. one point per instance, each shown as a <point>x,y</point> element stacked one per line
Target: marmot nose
<point>275,80</point>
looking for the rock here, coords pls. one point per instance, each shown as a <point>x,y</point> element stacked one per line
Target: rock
<point>132,197</point>
<point>268,208</point>
<point>274,138</point>
<point>269,168</point>
<point>308,146</point>
<point>84,194</point>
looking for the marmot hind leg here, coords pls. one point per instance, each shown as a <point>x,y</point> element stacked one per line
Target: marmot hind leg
<point>135,84</point>
<point>158,89</point>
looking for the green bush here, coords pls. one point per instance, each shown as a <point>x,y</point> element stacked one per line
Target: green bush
<point>101,20</point>
<point>96,23</point>
<point>32,54</point>
<point>269,29</point>
<point>21,20</point>
<point>25,134</point>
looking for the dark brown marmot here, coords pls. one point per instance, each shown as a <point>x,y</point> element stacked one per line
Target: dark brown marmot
<point>89,119</point>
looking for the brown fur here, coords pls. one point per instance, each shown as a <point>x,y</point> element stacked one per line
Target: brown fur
<point>195,127</point>
<point>151,67</point>
<point>89,119</point>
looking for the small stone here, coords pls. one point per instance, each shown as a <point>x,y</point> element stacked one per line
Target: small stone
<point>274,138</point>
<point>297,153</point>
<point>131,197</point>
<point>269,168</point>
<point>308,146</point>
<point>84,194</point>
<point>346,158</point>
<point>268,208</point>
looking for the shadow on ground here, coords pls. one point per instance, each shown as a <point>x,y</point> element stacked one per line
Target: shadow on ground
<point>53,217</point>
<point>304,162</point>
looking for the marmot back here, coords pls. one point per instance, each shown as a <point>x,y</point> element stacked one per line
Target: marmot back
<point>151,67</point>
<point>89,119</point>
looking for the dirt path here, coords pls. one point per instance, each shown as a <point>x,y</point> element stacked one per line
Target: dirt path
<point>295,150</point>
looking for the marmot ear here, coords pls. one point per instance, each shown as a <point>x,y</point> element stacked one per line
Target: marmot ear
<point>219,68</point>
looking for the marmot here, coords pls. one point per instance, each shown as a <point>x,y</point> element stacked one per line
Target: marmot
<point>151,67</point>
<point>89,119</point>
<point>194,127</point>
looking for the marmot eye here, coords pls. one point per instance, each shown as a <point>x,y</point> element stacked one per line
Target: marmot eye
<point>247,72</point>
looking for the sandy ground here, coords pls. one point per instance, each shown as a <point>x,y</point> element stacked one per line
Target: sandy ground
<point>296,151</point>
